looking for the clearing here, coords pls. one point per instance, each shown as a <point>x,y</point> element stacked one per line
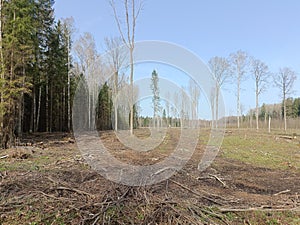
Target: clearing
<point>254,180</point>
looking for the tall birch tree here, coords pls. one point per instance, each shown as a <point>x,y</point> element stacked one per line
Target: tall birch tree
<point>219,67</point>
<point>260,73</point>
<point>284,80</point>
<point>132,9</point>
<point>116,60</point>
<point>239,63</point>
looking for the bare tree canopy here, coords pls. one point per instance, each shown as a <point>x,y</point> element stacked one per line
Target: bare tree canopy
<point>219,67</point>
<point>284,80</point>
<point>132,9</point>
<point>116,59</point>
<point>116,53</point>
<point>239,62</point>
<point>85,51</point>
<point>90,67</point>
<point>194,90</point>
<point>260,73</point>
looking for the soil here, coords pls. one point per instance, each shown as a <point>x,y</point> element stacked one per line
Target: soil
<point>56,186</point>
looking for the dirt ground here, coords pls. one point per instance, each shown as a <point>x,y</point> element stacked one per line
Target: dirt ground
<point>46,181</point>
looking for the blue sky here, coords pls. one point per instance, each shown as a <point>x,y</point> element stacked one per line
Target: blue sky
<point>267,29</point>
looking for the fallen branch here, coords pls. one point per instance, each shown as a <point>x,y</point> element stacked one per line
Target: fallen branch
<point>286,137</point>
<point>96,220</point>
<point>282,192</point>
<point>190,221</point>
<point>3,157</point>
<point>162,170</point>
<point>75,190</point>
<point>3,175</point>
<point>186,188</point>
<point>52,196</point>
<point>213,214</point>
<point>52,180</point>
<point>218,179</point>
<point>265,209</point>
<point>195,193</point>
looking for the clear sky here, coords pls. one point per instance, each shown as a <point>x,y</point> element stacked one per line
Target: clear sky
<point>269,30</point>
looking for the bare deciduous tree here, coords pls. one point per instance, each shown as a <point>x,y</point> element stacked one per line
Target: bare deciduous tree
<point>195,95</point>
<point>132,11</point>
<point>260,72</point>
<point>239,63</point>
<point>90,66</point>
<point>284,80</point>
<point>219,67</point>
<point>116,59</point>
<point>185,108</point>
<point>212,99</point>
<point>168,108</point>
<point>176,108</point>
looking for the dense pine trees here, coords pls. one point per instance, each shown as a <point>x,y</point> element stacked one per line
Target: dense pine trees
<point>35,78</point>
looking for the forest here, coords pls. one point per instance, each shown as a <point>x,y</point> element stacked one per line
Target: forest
<point>36,80</point>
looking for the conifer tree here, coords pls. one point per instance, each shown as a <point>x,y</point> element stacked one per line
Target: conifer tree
<point>155,98</point>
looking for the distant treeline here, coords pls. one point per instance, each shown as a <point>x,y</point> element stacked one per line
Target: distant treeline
<point>276,110</point>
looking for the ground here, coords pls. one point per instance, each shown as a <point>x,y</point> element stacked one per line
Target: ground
<point>253,180</point>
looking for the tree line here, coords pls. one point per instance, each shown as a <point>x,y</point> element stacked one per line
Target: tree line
<point>36,84</point>
<point>276,110</point>
<point>238,67</point>
<point>41,66</point>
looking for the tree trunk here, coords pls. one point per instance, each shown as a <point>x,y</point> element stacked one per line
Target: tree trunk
<point>213,112</point>
<point>89,109</point>
<point>33,110</point>
<point>131,87</point>
<point>284,113</point>
<point>21,106</point>
<point>217,103</point>
<point>93,108</point>
<point>11,111</point>
<point>47,107</point>
<point>250,119</point>
<point>63,111</point>
<point>69,95</point>
<point>266,118</point>
<point>36,127</point>
<point>269,124</point>
<point>51,109</point>
<point>238,102</point>
<point>116,100</point>
<point>116,116</point>
<point>256,113</point>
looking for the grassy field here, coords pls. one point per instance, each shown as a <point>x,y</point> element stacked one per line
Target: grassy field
<point>272,150</point>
